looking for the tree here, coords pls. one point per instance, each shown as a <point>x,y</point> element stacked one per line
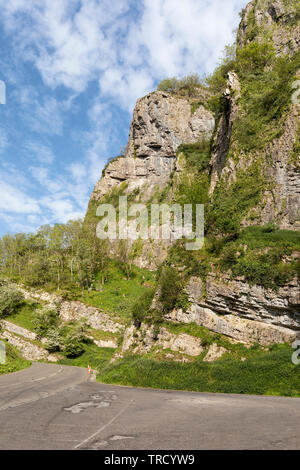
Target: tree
<point>170,85</point>
<point>72,234</point>
<point>187,85</point>
<point>10,299</point>
<point>74,344</point>
<point>170,288</point>
<point>126,255</point>
<point>45,319</point>
<point>141,308</point>
<point>54,340</point>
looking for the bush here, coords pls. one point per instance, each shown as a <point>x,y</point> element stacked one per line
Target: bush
<point>170,288</point>
<point>45,319</point>
<point>54,340</point>
<point>141,308</point>
<point>10,299</point>
<point>217,81</point>
<point>170,85</point>
<point>266,94</point>
<point>231,203</point>
<point>74,344</point>
<point>188,85</point>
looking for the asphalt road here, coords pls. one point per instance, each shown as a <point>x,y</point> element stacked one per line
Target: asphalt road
<point>55,407</point>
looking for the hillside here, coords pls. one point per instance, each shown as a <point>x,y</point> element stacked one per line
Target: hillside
<point>149,312</point>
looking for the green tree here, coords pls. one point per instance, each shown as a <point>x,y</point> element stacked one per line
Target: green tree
<point>10,299</point>
<point>170,288</point>
<point>45,319</point>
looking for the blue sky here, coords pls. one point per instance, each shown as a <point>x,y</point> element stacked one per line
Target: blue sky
<point>73,70</point>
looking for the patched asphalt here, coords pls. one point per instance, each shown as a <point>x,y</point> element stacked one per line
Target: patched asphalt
<point>57,407</point>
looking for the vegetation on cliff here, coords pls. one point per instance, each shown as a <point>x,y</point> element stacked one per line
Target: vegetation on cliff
<point>14,361</point>
<point>70,259</point>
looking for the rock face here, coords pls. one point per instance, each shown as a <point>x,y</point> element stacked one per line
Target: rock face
<point>214,353</point>
<point>284,204</point>
<point>250,314</point>
<point>74,311</point>
<point>28,350</point>
<point>144,339</point>
<point>280,18</point>
<point>12,328</point>
<point>224,131</point>
<point>161,122</point>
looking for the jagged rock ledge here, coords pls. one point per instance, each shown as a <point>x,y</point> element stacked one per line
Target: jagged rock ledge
<point>249,314</point>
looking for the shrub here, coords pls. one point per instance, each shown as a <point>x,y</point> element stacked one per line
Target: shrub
<point>73,344</point>
<point>188,85</point>
<point>217,81</point>
<point>266,94</point>
<point>54,340</point>
<point>170,85</point>
<point>229,256</point>
<point>10,299</point>
<point>231,203</point>
<point>44,320</point>
<point>170,288</point>
<point>141,308</point>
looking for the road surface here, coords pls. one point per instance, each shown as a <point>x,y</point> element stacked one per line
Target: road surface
<point>56,407</point>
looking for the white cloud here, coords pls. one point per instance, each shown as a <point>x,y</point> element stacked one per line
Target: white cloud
<point>40,152</point>
<point>15,200</point>
<point>125,48</point>
<point>44,117</point>
<point>74,42</point>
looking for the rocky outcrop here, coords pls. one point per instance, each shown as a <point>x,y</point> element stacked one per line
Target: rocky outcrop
<point>244,331</point>
<point>29,351</point>
<point>104,343</point>
<point>214,353</point>
<point>249,314</point>
<point>95,318</point>
<point>224,131</point>
<point>161,122</point>
<point>74,310</point>
<point>142,340</point>
<point>54,301</point>
<point>12,328</point>
<point>278,19</point>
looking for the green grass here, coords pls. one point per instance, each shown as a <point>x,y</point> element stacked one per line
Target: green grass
<point>97,358</point>
<point>209,337</point>
<point>231,203</point>
<point>269,373</point>
<point>118,294</point>
<point>259,253</point>
<point>260,237</point>
<point>14,361</point>
<point>24,315</point>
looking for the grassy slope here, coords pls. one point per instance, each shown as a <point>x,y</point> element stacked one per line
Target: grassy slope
<point>97,358</point>
<point>14,361</point>
<point>269,373</point>
<point>118,294</point>
<point>24,314</point>
<point>261,373</point>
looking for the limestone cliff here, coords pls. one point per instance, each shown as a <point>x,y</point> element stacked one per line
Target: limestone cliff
<point>160,124</point>
<point>279,19</point>
<point>254,143</point>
